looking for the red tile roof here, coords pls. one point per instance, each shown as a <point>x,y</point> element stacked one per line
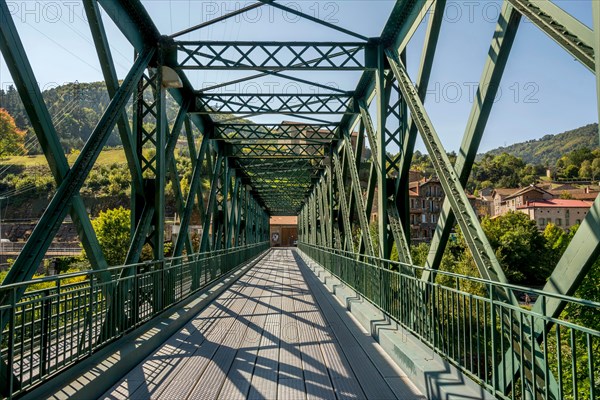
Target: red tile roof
<point>557,203</point>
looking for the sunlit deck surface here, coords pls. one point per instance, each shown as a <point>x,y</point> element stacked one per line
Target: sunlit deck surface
<point>275,334</point>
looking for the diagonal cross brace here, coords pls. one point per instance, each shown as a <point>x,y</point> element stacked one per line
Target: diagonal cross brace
<point>24,78</point>
<point>41,237</point>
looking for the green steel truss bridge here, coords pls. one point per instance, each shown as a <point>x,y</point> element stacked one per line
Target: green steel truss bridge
<point>485,340</point>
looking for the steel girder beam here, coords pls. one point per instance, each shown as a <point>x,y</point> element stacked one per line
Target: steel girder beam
<point>275,150</point>
<point>574,36</point>
<point>133,21</point>
<point>497,58</point>
<point>309,133</point>
<point>343,202</point>
<point>96,24</point>
<point>578,258</point>
<point>480,249</point>
<point>410,132</point>
<point>363,215</point>
<point>211,205</point>
<point>24,78</point>
<point>276,103</point>
<point>504,35</point>
<point>403,22</point>
<point>41,237</point>
<point>477,242</point>
<point>274,56</point>
<point>186,215</point>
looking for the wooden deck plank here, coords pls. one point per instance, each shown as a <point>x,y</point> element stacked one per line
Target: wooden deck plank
<point>389,381</point>
<point>184,379</point>
<point>151,376</point>
<point>275,334</point>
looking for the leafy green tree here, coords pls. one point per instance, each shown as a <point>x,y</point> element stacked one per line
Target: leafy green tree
<point>557,241</point>
<point>571,171</point>
<point>577,157</point>
<point>113,231</point>
<point>566,195</point>
<point>11,137</point>
<point>596,168</point>
<point>585,171</point>
<point>519,246</point>
<point>504,170</point>
<point>419,253</point>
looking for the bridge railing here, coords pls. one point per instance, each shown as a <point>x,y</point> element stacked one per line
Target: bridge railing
<point>462,319</point>
<point>50,329</point>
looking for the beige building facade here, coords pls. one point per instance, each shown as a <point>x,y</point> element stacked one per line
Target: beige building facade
<point>560,212</point>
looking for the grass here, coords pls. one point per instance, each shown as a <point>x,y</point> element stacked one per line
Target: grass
<point>107,157</point>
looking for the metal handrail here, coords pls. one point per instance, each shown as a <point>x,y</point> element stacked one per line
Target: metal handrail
<point>510,350</point>
<point>51,329</point>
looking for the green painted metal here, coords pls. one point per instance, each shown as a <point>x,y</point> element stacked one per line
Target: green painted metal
<point>466,328</point>
<point>410,133</point>
<point>92,12</point>
<point>481,250</point>
<point>260,56</point>
<point>504,35</point>
<point>310,169</point>
<point>574,36</point>
<point>59,328</point>
<point>27,263</point>
<point>382,99</point>
<point>25,81</point>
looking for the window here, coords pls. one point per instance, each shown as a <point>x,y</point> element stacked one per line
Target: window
<point>423,203</point>
<point>423,218</point>
<point>558,222</point>
<point>542,221</point>
<point>432,218</point>
<point>578,221</point>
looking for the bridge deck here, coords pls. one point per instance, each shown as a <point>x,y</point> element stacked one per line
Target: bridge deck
<point>275,334</point>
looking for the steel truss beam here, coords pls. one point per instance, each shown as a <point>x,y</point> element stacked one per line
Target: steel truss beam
<point>314,133</point>
<point>258,103</point>
<point>33,252</point>
<point>275,150</point>
<point>272,56</point>
<point>574,36</point>
<point>481,251</point>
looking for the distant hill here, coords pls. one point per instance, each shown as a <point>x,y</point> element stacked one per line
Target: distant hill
<point>547,150</point>
<point>75,109</point>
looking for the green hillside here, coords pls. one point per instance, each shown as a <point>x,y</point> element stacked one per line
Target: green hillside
<point>547,150</point>
<point>75,109</point>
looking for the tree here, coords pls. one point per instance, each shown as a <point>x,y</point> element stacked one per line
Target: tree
<point>11,138</point>
<point>519,246</point>
<point>557,241</point>
<point>586,170</point>
<point>113,231</point>
<point>504,170</point>
<point>566,195</point>
<point>595,168</point>
<point>571,171</point>
<point>577,157</point>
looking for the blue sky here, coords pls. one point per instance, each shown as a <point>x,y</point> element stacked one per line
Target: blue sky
<point>544,90</point>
